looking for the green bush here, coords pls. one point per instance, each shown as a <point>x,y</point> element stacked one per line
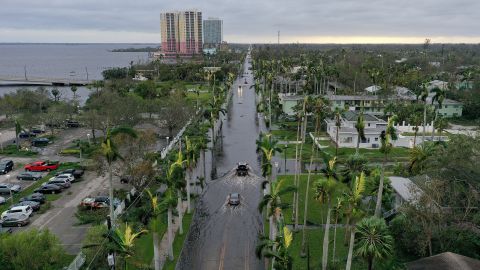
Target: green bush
<point>91,216</point>
<point>70,152</point>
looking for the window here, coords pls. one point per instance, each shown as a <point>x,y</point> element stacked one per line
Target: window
<point>368,124</point>
<point>376,139</point>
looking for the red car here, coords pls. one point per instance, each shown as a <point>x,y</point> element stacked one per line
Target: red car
<point>41,166</point>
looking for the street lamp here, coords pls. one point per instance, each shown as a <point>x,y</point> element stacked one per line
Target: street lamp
<point>88,137</point>
<point>168,140</point>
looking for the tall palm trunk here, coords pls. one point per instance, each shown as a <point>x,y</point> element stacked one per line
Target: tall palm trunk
<point>415,137</point>
<point>179,210</point>
<point>295,194</point>
<point>299,162</point>
<point>314,150</point>
<point>170,233</point>
<point>334,238</point>
<point>424,121</point>
<point>204,165</point>
<point>110,194</point>
<point>378,207</point>
<point>336,142</point>
<point>325,240</point>
<point>350,248</point>
<point>189,206</point>
<point>156,251</point>
<point>358,144</point>
<point>433,125</point>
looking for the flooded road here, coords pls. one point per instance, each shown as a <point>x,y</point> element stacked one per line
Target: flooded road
<point>222,236</point>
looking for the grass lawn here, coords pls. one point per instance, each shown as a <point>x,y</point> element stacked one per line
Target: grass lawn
<point>203,98</point>
<point>11,150</point>
<point>314,239</point>
<point>282,135</point>
<point>316,212</point>
<point>397,154</point>
<point>53,197</point>
<point>178,242</point>
<point>144,246</point>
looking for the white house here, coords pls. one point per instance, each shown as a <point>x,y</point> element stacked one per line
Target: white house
<point>347,134</point>
<point>373,89</point>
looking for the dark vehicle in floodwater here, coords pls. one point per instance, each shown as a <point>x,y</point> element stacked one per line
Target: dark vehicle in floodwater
<point>36,197</point>
<point>6,165</point>
<point>242,169</point>
<point>234,199</point>
<point>40,142</point>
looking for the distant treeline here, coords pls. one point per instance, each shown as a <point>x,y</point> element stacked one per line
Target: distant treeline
<point>146,49</point>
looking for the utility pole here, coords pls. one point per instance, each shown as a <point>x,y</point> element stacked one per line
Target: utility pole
<point>25,72</point>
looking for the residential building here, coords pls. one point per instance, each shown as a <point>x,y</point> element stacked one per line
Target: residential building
<point>181,33</point>
<point>371,104</point>
<point>289,102</point>
<point>212,32</point>
<point>405,190</point>
<point>348,135</point>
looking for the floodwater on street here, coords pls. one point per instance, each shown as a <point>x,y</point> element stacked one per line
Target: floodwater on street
<point>224,236</point>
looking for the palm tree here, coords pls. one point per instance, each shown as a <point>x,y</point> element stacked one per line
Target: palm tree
<point>74,89</point>
<point>324,190</point>
<point>360,127</point>
<point>353,166</point>
<point>168,203</point>
<point>111,154</point>
<point>374,241</point>
<point>439,97</point>
<point>177,181</point>
<point>55,94</point>
<point>423,96</point>
<point>277,249</point>
<point>18,130</point>
<point>441,124</point>
<point>298,159</point>
<point>353,200</point>
<point>415,120</point>
<point>155,225</point>
<point>338,123</point>
<point>190,162</point>
<point>337,212</point>
<point>273,203</point>
<point>123,241</point>
<point>418,157</point>
<point>386,138</point>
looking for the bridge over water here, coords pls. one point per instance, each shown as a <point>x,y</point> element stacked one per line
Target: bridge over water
<point>41,81</point>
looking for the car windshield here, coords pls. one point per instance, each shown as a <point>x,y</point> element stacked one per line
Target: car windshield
<point>234,196</point>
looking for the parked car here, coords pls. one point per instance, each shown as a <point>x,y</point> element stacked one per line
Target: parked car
<point>72,123</point>
<point>242,169</point>
<point>37,131</point>
<point>41,166</point>
<point>48,188</point>
<point>63,183</point>
<point>7,188</point>
<point>99,202</point>
<point>35,197</point>
<point>6,165</point>
<point>26,135</point>
<point>66,176</point>
<point>17,210</point>
<point>17,221</point>
<point>39,142</point>
<point>29,176</point>
<point>234,199</point>
<point>34,205</point>
<point>2,200</point>
<point>77,173</point>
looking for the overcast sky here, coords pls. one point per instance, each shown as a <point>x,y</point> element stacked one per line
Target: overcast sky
<point>312,21</point>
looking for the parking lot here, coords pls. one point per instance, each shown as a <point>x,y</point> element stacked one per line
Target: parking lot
<point>60,218</point>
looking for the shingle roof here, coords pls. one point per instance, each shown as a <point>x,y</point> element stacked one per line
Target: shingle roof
<point>353,116</point>
<point>404,187</point>
<point>445,261</point>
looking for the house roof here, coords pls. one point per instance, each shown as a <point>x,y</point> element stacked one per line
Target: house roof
<point>352,116</point>
<point>292,98</point>
<point>445,261</point>
<point>342,97</point>
<point>404,187</point>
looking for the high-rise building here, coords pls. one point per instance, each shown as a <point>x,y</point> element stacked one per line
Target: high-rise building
<point>181,33</point>
<point>212,32</point>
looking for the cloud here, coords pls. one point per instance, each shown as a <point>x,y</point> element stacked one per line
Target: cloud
<point>244,21</point>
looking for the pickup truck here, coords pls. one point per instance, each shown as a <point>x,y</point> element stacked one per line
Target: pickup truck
<point>41,166</point>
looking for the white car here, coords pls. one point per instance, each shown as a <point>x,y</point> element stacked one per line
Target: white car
<point>2,200</point>
<point>66,176</point>
<point>18,210</point>
<point>6,188</point>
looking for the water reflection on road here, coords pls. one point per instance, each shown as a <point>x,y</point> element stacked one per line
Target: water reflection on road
<point>222,236</point>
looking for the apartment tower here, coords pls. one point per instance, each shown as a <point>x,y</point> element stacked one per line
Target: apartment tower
<point>212,32</point>
<point>181,33</point>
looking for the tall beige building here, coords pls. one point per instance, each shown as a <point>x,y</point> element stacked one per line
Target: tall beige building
<point>181,33</point>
